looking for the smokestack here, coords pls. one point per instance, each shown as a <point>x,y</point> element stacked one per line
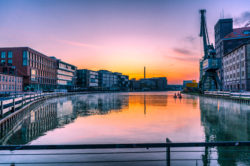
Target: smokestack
<point>144,72</point>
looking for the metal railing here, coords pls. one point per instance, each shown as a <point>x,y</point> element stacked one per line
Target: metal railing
<point>10,105</point>
<point>169,149</point>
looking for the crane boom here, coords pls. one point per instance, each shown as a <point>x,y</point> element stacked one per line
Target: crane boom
<point>203,32</point>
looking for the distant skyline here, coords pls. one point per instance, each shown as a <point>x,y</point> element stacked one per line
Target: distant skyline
<point>118,35</point>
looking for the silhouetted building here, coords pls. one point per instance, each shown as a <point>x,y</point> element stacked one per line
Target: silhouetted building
<point>38,70</point>
<point>155,83</point>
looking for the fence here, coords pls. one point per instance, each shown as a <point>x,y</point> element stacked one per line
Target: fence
<point>170,148</point>
<point>13,104</point>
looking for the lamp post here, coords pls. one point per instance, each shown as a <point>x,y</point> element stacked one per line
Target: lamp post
<point>14,67</point>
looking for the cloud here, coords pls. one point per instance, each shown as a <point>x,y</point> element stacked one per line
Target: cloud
<point>243,19</point>
<point>182,51</point>
<point>190,39</point>
<point>182,54</point>
<point>188,58</point>
<point>79,44</point>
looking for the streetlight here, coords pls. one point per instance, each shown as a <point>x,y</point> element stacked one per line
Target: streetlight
<point>14,67</point>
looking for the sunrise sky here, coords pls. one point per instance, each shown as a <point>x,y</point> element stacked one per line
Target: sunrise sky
<point>118,35</point>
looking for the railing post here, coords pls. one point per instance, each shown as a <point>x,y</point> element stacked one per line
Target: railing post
<point>14,105</point>
<point>1,111</point>
<point>22,101</point>
<point>168,153</point>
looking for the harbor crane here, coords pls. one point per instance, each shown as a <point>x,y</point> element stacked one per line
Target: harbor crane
<point>209,64</point>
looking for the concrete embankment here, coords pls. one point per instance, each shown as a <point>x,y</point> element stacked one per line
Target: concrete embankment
<point>243,97</point>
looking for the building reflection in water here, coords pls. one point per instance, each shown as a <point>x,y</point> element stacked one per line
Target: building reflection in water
<point>99,103</point>
<point>225,120</point>
<point>58,112</point>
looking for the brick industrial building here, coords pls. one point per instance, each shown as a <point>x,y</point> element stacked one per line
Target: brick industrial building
<point>38,70</point>
<point>237,69</point>
<point>227,39</point>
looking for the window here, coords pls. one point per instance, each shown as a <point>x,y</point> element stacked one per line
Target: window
<point>9,61</point>
<point>3,54</point>
<point>2,61</point>
<point>33,75</point>
<point>25,58</point>
<point>10,54</point>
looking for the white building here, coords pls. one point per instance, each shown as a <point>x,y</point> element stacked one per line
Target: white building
<point>65,75</point>
<point>236,66</point>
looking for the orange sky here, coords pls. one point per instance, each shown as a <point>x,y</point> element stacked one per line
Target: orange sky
<point>120,36</point>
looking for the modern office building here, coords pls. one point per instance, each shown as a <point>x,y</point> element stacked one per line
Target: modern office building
<point>87,79</point>
<point>123,81</point>
<point>227,39</point>
<point>65,75</point>
<point>237,69</point>
<point>101,80</point>
<point>10,83</point>
<point>38,70</point>
<point>106,80</point>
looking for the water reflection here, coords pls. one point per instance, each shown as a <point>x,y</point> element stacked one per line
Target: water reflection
<point>99,104</point>
<point>225,120</point>
<point>136,117</point>
<point>59,112</point>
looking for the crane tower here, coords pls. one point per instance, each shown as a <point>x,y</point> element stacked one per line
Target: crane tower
<point>209,79</point>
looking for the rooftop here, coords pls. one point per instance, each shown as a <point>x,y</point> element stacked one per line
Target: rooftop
<point>239,33</point>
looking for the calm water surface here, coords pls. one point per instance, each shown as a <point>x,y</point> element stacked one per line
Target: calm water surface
<point>135,118</point>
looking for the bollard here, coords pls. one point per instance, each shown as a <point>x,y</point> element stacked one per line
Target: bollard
<point>168,153</point>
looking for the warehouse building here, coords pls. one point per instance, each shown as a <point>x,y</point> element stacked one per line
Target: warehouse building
<point>237,69</point>
<point>227,39</point>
